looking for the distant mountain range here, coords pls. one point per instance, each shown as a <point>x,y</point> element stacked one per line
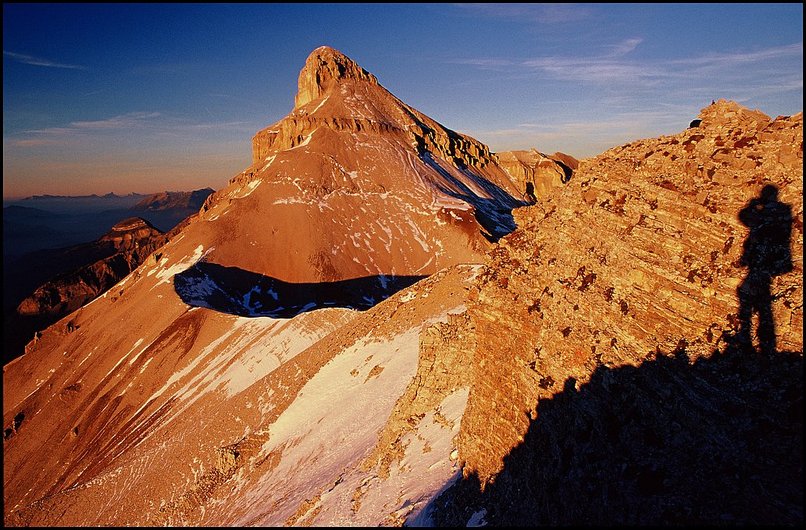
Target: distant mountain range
<point>56,221</point>
<point>168,200</point>
<point>109,195</point>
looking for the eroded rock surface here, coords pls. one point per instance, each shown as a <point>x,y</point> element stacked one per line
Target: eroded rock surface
<point>616,315</point>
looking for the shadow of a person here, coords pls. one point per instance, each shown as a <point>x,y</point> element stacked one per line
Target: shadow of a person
<point>529,195</point>
<point>766,254</point>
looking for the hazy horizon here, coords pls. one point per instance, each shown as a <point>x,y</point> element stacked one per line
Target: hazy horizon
<point>148,98</point>
<point>46,196</point>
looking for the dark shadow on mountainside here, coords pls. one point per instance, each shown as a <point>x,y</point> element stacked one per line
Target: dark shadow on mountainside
<point>766,254</point>
<point>715,441</point>
<point>493,214</point>
<point>240,292</point>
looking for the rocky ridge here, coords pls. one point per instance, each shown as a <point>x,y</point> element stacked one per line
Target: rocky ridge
<point>205,410</point>
<point>172,200</point>
<point>641,262</point>
<point>177,397</point>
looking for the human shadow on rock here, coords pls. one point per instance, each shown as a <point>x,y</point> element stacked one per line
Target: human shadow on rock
<point>766,254</point>
<point>715,441</point>
<point>244,293</point>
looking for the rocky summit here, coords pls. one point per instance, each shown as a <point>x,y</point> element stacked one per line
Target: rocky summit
<point>375,324</point>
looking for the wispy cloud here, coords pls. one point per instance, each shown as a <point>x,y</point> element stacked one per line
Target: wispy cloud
<point>598,70</point>
<point>132,120</point>
<point>125,121</point>
<point>615,66</point>
<point>34,142</point>
<point>610,65</point>
<point>133,124</point>
<point>590,137</point>
<point>739,58</point>
<point>624,47</point>
<point>38,61</point>
<point>540,13</point>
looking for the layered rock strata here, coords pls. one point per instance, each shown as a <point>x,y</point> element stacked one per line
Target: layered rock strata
<point>672,248</point>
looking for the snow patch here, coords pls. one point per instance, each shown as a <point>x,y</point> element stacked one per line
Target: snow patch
<point>477,519</point>
<point>269,161</point>
<point>166,274</point>
<point>409,296</point>
<point>304,142</point>
<point>323,434</point>
<point>319,106</point>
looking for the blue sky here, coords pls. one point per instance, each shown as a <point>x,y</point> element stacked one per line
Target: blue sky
<point>142,98</point>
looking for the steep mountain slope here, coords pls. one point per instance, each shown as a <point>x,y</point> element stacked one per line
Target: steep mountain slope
<point>640,339</point>
<point>215,374</point>
<point>285,360</point>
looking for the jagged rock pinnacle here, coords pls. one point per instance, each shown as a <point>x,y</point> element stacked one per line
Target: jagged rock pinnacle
<point>324,69</point>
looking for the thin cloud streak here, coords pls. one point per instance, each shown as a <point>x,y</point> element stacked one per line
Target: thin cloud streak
<point>624,47</point>
<point>38,61</point>
<point>540,13</point>
<point>131,120</point>
<point>721,59</point>
<point>155,122</point>
<point>614,67</point>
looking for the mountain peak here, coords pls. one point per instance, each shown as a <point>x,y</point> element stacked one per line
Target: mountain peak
<point>325,68</point>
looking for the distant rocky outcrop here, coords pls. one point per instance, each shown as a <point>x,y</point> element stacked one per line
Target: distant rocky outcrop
<point>129,242</point>
<point>659,286</point>
<point>91,269</point>
<point>535,171</point>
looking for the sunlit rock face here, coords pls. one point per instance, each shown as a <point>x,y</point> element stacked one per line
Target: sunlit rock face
<point>536,172</point>
<point>686,247</point>
<point>262,366</point>
<point>358,183</point>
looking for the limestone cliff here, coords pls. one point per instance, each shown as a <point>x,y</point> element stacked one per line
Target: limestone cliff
<point>328,72</point>
<point>359,184</point>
